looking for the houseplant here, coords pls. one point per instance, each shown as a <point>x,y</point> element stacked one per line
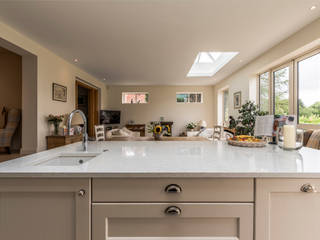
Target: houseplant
<point>247,118</point>
<point>191,126</point>
<point>55,120</point>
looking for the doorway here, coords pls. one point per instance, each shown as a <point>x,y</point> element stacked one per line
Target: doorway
<point>87,100</point>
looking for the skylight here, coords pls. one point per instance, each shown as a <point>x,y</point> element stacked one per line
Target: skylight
<point>208,64</point>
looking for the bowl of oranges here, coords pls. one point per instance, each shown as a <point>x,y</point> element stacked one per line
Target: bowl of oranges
<point>246,141</point>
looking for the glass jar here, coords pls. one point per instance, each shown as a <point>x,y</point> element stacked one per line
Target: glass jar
<point>290,140</point>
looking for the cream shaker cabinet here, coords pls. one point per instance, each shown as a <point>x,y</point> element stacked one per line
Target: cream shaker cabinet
<point>45,209</point>
<point>161,208</point>
<point>287,209</point>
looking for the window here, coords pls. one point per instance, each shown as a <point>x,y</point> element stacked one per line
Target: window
<point>135,97</point>
<point>309,89</point>
<point>264,91</point>
<point>189,97</point>
<point>295,89</point>
<point>226,106</point>
<point>207,64</point>
<point>281,91</point>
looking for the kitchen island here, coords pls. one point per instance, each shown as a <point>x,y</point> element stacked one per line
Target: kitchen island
<point>147,190</point>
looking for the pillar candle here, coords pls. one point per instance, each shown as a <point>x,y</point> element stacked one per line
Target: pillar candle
<point>289,136</point>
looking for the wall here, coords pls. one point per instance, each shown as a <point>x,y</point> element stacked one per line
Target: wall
<point>244,80</point>
<point>50,68</point>
<point>163,104</point>
<point>11,86</point>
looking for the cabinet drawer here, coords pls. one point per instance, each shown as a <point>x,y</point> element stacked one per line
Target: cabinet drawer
<point>140,220</point>
<point>172,190</point>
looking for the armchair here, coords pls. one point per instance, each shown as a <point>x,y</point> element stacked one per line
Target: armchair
<point>7,133</point>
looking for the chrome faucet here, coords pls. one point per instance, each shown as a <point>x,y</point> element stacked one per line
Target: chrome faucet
<point>85,133</point>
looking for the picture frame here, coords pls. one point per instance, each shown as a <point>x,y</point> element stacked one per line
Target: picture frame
<point>237,100</point>
<point>59,92</point>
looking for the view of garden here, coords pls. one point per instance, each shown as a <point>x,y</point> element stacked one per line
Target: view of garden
<point>308,90</point>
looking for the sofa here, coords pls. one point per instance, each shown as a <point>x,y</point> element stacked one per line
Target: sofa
<point>311,139</point>
<point>122,133</point>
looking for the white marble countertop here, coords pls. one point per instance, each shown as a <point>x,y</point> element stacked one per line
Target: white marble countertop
<point>171,159</point>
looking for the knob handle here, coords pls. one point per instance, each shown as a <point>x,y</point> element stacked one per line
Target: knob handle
<point>308,188</point>
<point>82,193</point>
<point>173,211</point>
<point>173,188</point>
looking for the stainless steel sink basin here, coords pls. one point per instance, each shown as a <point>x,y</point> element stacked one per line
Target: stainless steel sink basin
<point>69,159</point>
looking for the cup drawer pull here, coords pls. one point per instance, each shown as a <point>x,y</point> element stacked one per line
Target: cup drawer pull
<point>308,188</point>
<point>173,188</point>
<point>173,211</point>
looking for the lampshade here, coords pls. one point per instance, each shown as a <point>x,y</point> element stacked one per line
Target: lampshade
<point>202,124</point>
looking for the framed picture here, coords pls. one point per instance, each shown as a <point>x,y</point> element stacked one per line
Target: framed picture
<point>237,100</point>
<point>59,92</point>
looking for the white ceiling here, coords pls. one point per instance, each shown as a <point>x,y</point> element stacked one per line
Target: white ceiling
<point>155,42</point>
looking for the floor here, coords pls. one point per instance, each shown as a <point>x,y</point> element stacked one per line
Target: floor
<point>5,157</point>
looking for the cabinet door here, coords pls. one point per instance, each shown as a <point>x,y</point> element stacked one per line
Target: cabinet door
<point>227,221</point>
<point>44,209</point>
<point>286,211</point>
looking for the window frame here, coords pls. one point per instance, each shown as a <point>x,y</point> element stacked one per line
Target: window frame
<point>189,98</point>
<point>293,85</point>
<point>296,85</point>
<point>290,87</point>
<point>269,91</point>
<point>134,93</point>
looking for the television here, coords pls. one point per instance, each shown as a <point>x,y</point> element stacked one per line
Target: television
<point>109,117</point>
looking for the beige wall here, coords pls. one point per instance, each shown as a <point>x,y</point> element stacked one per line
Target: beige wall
<point>50,68</point>
<point>244,80</point>
<point>163,104</point>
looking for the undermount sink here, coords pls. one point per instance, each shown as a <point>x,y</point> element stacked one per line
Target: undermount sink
<point>69,159</point>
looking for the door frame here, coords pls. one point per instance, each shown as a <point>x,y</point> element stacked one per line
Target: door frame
<point>94,104</point>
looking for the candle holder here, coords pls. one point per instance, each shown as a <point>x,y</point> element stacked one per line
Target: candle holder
<point>298,139</point>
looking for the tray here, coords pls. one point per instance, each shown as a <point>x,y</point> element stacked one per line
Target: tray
<point>247,144</point>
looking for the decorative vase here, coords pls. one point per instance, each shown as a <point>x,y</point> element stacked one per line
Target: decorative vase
<point>157,136</point>
<point>56,128</point>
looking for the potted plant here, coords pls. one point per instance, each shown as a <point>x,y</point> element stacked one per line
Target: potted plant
<point>55,120</point>
<point>191,126</point>
<point>247,118</point>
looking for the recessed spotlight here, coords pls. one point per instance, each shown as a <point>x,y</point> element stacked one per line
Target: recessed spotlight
<point>104,79</point>
<point>76,60</point>
<point>241,60</point>
<point>313,8</point>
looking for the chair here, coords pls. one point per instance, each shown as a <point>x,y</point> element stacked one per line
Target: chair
<point>217,132</point>
<point>311,139</point>
<point>100,133</point>
<point>7,133</point>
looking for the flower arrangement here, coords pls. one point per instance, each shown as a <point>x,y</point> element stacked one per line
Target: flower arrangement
<point>191,126</point>
<point>156,129</point>
<point>55,120</point>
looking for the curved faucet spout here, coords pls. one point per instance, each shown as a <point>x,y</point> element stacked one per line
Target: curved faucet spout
<point>85,133</point>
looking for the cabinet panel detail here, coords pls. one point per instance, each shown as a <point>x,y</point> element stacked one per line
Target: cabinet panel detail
<point>173,190</point>
<point>204,220</point>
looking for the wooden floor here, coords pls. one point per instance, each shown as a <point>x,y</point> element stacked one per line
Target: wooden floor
<point>5,157</point>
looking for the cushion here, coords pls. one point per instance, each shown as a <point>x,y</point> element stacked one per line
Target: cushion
<point>126,130</point>
<point>306,136</point>
<point>314,140</point>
